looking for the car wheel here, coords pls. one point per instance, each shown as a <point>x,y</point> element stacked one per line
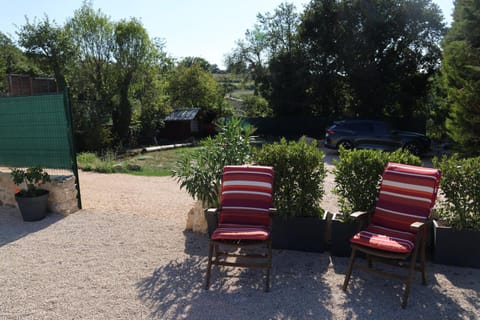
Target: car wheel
<point>413,148</point>
<point>348,145</point>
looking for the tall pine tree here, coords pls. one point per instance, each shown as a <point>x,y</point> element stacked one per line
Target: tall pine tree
<point>461,76</point>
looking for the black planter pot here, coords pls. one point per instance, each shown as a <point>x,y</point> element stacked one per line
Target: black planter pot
<point>32,208</point>
<point>341,233</point>
<point>456,247</point>
<point>298,233</point>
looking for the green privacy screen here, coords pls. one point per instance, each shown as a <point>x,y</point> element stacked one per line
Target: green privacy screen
<point>36,131</point>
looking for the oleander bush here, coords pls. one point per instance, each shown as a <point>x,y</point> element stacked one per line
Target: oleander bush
<point>200,171</point>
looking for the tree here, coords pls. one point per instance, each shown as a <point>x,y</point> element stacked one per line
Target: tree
<point>439,109</point>
<point>115,71</point>
<point>93,35</point>
<point>287,71</point>
<point>461,76</point>
<point>133,55</point>
<point>288,78</point>
<point>154,105</point>
<point>50,46</point>
<point>149,93</point>
<point>320,26</point>
<point>12,60</point>
<point>378,55</point>
<point>92,75</point>
<point>252,54</point>
<point>190,61</point>
<point>280,29</point>
<point>255,106</point>
<point>270,52</point>
<point>190,87</point>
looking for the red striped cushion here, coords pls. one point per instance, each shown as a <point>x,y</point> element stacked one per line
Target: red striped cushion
<point>246,195</point>
<point>407,194</point>
<point>244,215</point>
<point>381,238</point>
<point>240,232</point>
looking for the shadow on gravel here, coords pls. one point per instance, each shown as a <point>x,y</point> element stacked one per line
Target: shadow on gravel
<point>468,279</point>
<point>175,291</point>
<point>303,286</point>
<point>12,226</point>
<point>380,297</point>
<point>196,244</point>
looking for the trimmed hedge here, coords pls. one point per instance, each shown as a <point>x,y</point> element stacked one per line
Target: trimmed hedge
<point>357,176</point>
<point>299,175</point>
<point>460,186</point>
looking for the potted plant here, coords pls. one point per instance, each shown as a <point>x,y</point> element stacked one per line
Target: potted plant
<point>457,227</point>
<point>200,171</point>
<point>357,176</point>
<point>298,191</point>
<point>32,200</point>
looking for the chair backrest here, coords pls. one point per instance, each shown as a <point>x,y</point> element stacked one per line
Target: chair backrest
<point>407,194</point>
<point>246,195</point>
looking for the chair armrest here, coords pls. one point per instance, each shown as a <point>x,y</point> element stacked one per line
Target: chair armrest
<point>212,211</point>
<point>272,211</point>
<point>359,215</point>
<point>361,218</point>
<point>417,226</point>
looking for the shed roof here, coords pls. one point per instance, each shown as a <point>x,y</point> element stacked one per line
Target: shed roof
<point>183,114</point>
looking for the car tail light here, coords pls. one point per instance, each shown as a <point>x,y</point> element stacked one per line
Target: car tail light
<point>330,132</point>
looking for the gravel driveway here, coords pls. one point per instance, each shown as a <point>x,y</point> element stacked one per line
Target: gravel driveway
<point>126,255</point>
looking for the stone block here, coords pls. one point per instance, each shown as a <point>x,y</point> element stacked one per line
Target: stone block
<point>196,219</point>
<point>64,208</point>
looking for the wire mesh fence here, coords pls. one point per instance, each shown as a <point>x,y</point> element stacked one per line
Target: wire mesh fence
<point>37,131</point>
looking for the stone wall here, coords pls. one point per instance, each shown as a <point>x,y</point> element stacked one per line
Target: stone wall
<point>62,198</point>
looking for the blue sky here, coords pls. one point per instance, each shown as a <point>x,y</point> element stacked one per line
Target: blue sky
<point>203,28</point>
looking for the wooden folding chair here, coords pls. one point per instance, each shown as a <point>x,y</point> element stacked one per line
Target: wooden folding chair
<point>244,221</point>
<point>396,229</point>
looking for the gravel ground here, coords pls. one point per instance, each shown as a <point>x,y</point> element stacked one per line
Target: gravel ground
<point>126,255</point>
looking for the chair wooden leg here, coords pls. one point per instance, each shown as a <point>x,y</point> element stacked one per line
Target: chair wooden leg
<point>350,268</point>
<point>217,251</point>
<point>209,266</point>
<point>411,271</point>
<point>423,264</point>
<point>267,283</point>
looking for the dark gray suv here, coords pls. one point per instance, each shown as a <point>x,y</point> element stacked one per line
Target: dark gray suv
<point>373,134</point>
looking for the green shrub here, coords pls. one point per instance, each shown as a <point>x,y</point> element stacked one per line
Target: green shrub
<point>200,171</point>
<point>256,106</point>
<point>460,186</point>
<point>299,175</point>
<point>88,161</point>
<point>107,163</point>
<point>357,176</point>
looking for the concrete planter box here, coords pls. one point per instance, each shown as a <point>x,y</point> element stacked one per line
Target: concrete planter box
<point>456,247</point>
<point>299,233</point>
<point>341,233</point>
